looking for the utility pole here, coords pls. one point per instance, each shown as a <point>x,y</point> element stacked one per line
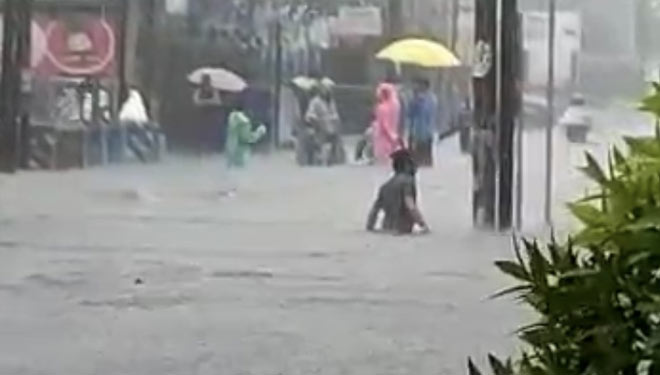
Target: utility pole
<point>455,15</point>
<point>278,84</point>
<point>520,125</point>
<point>552,14</point>
<point>15,58</point>
<point>122,45</point>
<point>485,92</point>
<point>509,107</point>
<point>497,109</point>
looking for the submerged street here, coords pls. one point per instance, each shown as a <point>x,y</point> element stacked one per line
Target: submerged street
<point>266,271</point>
<point>186,268</point>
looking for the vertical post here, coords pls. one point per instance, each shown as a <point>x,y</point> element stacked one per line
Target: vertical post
<point>121,73</point>
<point>508,109</point>
<point>394,10</point>
<point>499,70</point>
<point>25,83</point>
<point>552,13</point>
<point>484,87</point>
<point>278,84</point>
<point>123,31</point>
<point>520,125</point>
<point>455,14</point>
<point>10,83</point>
<point>519,173</point>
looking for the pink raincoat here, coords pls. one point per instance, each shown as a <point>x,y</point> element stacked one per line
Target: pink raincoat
<point>386,139</point>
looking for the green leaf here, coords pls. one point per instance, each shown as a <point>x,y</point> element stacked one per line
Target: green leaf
<point>472,368</point>
<point>519,289</point>
<point>651,103</point>
<point>592,236</point>
<point>639,257</point>
<point>588,214</point>
<point>649,219</point>
<point>619,159</point>
<point>516,249</point>
<point>513,269</point>
<point>499,368</point>
<point>593,170</point>
<point>643,146</point>
<point>539,266</point>
<point>579,273</point>
<point>556,256</point>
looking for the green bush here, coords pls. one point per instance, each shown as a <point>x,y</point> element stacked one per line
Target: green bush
<point>598,295</point>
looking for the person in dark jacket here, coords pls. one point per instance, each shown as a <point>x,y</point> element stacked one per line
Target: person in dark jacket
<point>397,199</point>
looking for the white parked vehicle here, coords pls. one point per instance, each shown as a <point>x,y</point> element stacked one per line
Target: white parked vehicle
<point>577,120</point>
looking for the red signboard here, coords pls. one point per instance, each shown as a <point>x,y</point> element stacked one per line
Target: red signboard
<point>88,49</point>
<point>75,45</point>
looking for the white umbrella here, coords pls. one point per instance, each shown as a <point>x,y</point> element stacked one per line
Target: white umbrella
<point>221,79</point>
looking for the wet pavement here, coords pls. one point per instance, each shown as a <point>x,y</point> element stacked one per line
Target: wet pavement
<point>185,268</point>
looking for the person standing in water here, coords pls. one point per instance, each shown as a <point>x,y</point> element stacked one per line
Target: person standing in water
<point>397,198</point>
<point>322,116</point>
<point>240,136</point>
<point>385,130</point>
<point>208,103</point>
<point>422,115</point>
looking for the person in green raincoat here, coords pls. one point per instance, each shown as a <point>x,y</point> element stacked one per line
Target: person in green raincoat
<point>240,136</point>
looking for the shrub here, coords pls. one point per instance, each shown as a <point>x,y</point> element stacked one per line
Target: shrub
<point>597,295</point>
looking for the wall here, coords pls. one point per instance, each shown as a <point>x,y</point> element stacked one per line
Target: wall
<point>535,43</point>
<point>610,48</point>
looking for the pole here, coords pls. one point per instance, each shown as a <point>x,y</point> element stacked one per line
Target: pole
<point>485,93</point>
<point>498,111</point>
<point>25,83</point>
<point>520,126</point>
<point>123,30</point>
<point>552,13</point>
<point>519,174</point>
<point>278,84</point>
<point>508,110</point>
<point>455,15</point>
<point>10,86</point>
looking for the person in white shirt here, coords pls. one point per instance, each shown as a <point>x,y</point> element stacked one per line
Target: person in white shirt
<point>142,134</point>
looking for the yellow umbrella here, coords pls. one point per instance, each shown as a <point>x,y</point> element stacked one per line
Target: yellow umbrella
<point>422,52</point>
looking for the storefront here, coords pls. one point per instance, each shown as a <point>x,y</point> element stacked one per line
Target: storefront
<point>73,80</point>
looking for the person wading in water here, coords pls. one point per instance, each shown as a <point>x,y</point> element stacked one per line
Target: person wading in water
<point>397,198</point>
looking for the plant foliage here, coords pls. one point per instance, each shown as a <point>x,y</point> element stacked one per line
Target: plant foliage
<point>598,295</point>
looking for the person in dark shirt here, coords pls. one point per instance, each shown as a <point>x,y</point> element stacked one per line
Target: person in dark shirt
<point>397,198</point>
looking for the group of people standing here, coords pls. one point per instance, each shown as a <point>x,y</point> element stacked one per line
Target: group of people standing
<point>404,122</point>
<point>400,120</point>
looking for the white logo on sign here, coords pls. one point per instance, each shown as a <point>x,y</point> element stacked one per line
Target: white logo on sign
<point>483,59</point>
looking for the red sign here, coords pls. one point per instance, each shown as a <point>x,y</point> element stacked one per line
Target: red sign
<point>88,49</point>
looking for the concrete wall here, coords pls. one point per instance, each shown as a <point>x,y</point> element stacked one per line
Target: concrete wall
<point>535,44</point>
<point>610,64</point>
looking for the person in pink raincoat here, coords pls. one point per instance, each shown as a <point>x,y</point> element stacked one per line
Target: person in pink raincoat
<point>385,128</point>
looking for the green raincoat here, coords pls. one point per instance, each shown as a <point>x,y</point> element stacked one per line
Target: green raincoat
<point>240,137</point>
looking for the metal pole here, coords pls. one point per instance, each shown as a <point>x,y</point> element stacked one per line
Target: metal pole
<point>10,87</point>
<point>278,84</point>
<point>552,13</point>
<point>121,72</point>
<point>520,126</point>
<point>519,173</point>
<point>498,110</point>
